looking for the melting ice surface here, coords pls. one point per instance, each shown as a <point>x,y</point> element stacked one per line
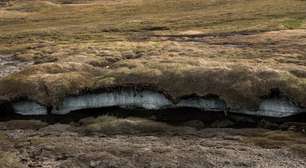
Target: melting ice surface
<point>128,98</point>
<point>274,107</point>
<point>145,99</point>
<point>279,107</point>
<point>29,108</point>
<point>203,104</point>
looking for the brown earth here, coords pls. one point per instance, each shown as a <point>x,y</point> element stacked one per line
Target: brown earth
<point>110,142</point>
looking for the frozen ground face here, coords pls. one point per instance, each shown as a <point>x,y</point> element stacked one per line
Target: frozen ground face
<point>109,142</point>
<point>29,108</point>
<point>129,98</point>
<point>9,65</point>
<point>152,100</point>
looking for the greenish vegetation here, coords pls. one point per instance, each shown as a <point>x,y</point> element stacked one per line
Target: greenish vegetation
<point>293,23</point>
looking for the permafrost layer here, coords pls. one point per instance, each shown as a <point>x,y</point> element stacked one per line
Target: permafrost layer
<point>209,104</point>
<point>126,99</point>
<point>276,107</point>
<point>273,107</point>
<point>129,99</point>
<point>29,108</point>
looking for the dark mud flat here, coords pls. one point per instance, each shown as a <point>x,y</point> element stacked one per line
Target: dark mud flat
<point>107,141</point>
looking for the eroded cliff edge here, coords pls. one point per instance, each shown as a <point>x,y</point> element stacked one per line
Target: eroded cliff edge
<point>245,61</point>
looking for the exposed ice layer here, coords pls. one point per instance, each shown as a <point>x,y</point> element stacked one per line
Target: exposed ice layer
<point>278,108</point>
<point>274,107</point>
<point>29,108</point>
<point>130,98</point>
<point>204,104</point>
<point>125,99</point>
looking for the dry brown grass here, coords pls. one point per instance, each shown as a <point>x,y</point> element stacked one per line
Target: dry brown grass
<point>225,48</point>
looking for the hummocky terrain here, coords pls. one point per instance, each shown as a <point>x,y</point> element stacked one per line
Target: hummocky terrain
<point>237,50</point>
<point>217,56</point>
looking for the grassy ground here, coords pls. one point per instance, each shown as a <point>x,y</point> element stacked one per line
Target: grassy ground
<point>27,22</point>
<point>238,50</point>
